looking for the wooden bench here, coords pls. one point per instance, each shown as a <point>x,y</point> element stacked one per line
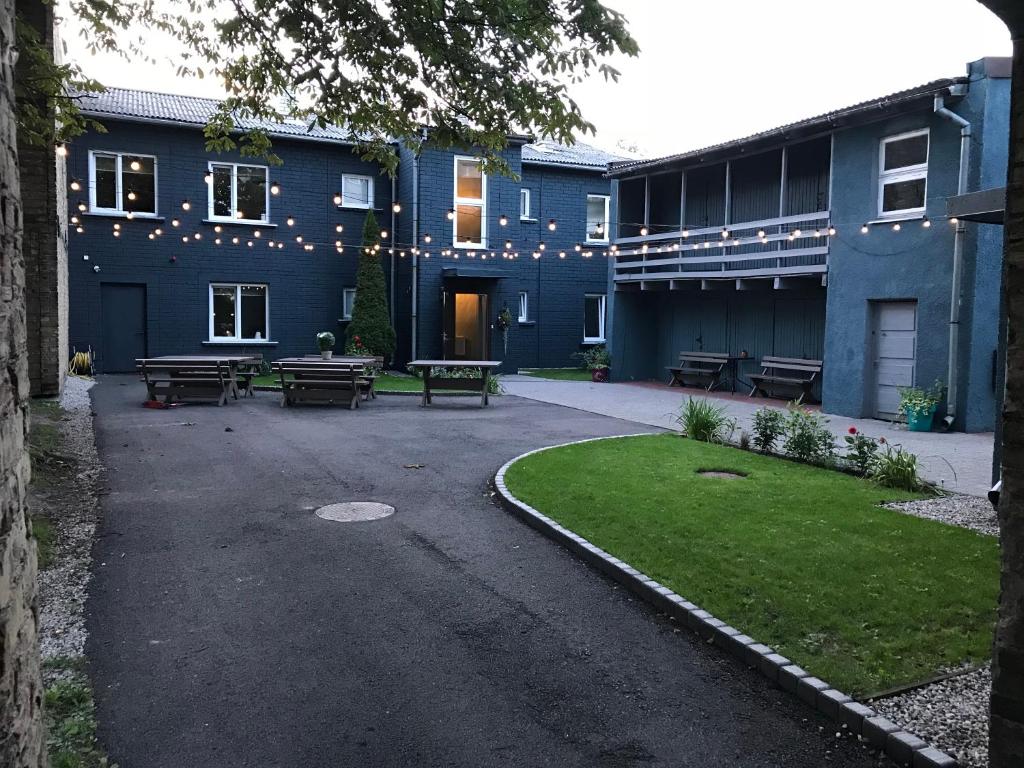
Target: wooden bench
<point>704,368</point>
<point>793,374</point>
<point>320,381</point>
<point>246,374</point>
<point>186,379</point>
<point>367,382</point>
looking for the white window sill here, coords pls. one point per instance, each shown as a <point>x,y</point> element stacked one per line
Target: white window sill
<point>524,321</point>
<point>596,242</point>
<point>241,223</point>
<point>121,215</point>
<point>345,319</point>
<point>593,341</point>
<point>240,343</point>
<point>350,207</point>
<point>470,246</point>
<point>891,218</point>
<point>527,220</point>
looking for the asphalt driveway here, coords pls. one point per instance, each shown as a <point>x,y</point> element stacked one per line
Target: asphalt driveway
<point>230,626</point>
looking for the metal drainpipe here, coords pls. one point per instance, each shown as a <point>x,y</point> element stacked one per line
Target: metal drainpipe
<point>415,245</point>
<point>958,257</point>
<point>394,222</point>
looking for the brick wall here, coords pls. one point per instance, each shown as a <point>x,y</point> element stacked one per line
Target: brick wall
<point>21,733</point>
<point>44,241</point>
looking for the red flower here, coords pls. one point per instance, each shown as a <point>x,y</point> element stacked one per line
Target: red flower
<point>881,440</point>
<point>853,430</point>
<point>356,338</point>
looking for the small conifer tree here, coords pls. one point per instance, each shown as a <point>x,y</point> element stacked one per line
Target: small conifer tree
<point>371,324</point>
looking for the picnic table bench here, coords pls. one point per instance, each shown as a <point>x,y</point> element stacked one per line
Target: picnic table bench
<point>705,368</point>
<point>322,381</point>
<point>457,383</point>
<point>188,378</point>
<point>794,374</point>
<point>368,381</point>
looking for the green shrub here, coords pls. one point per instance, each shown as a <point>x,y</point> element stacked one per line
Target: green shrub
<point>371,322</point>
<point>861,451</point>
<point>921,402</point>
<point>702,420</point>
<point>808,437</point>
<point>897,468</point>
<point>769,425</point>
<point>595,358</point>
<point>325,341</point>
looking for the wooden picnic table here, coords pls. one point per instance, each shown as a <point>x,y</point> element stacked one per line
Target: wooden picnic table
<point>233,369</point>
<point>460,384</point>
<point>315,379</point>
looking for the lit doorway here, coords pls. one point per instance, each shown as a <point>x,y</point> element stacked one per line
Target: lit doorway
<point>465,326</point>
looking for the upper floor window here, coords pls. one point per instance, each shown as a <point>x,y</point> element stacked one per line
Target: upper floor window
<point>524,204</point>
<point>470,230</point>
<point>120,182</point>
<point>239,192</point>
<point>593,318</point>
<point>239,312</point>
<point>903,173</point>
<point>356,191</point>
<point>348,303</point>
<point>524,306</point>
<point>597,218</point>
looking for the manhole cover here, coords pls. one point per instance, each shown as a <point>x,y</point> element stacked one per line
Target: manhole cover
<point>355,511</point>
<point>721,474</point>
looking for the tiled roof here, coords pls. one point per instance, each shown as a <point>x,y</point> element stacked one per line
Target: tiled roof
<point>190,110</point>
<point>881,106</point>
<point>149,106</point>
<point>579,154</point>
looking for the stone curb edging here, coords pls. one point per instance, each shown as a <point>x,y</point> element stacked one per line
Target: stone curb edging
<point>902,746</point>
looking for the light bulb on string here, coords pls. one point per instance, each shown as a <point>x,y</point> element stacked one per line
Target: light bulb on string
<point>337,198</point>
<point>275,188</point>
<point>130,215</point>
<point>175,222</point>
<point>643,231</point>
<point>117,227</point>
<point>198,236</point>
<point>508,245</point>
<point>426,237</point>
<point>81,207</point>
<point>185,204</point>
<point>218,228</point>
<point>954,220</point>
<point>290,221</point>
<point>450,215</point>
<point>552,225</point>
<point>864,229</point>
<point>686,233</point>
<point>503,220</point>
<point>725,233</point>
<point>797,233</point>
<point>926,222</point>
<point>396,207</point>
<point>383,234</point>
<point>541,246</point>
<point>257,233</point>
<point>62,150</point>
<point>158,231</point>
<point>207,177</point>
<point>831,231</point>
<point>116,233</point>
<point>135,165</point>
<point>897,227</point>
<point>339,228</point>
<point>577,247</point>
<point>75,185</point>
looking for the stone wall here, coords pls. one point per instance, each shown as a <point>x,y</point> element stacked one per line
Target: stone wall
<point>44,241</point>
<point>21,732</point>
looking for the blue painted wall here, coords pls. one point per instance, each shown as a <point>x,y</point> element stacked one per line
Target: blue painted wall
<point>305,288</point>
<point>556,286</point>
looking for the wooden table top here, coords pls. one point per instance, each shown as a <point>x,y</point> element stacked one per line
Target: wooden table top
<point>322,361</point>
<point>204,358</point>
<point>456,363</point>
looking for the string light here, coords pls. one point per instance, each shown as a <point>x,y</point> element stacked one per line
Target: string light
<point>234,241</point>
<point>339,228</point>
<point>552,225</point>
<point>117,227</point>
<point>831,231</point>
<point>74,219</point>
<point>135,165</point>
<point>185,205</point>
<point>797,233</point>
<point>450,215</point>
<point>75,185</point>
<point>81,207</point>
<point>184,238</point>
<point>298,239</point>
<point>864,229</point>
<point>218,228</point>
<point>152,236</point>
<point>577,247</point>
<point>130,215</point>
<point>208,177</point>
<point>62,150</point>
<point>954,221</point>
<point>725,233</point>
<point>198,235</point>
<point>926,222</point>
<point>79,230</point>
<point>896,227</point>
<point>275,188</point>
<point>158,231</point>
<point>643,231</point>
<point>337,198</point>
<point>503,220</point>
<point>508,245</point>
<point>116,233</point>
<point>257,233</point>
<point>384,234</point>
<point>426,237</point>
<point>686,233</point>
<point>175,222</point>
<point>396,207</point>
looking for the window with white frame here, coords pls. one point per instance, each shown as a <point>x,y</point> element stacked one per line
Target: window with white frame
<point>239,192</point>
<point>524,204</point>
<point>348,303</point>
<point>524,306</point>
<point>903,173</point>
<point>597,218</point>
<point>121,182</point>
<point>239,312</point>
<point>356,191</point>
<point>593,318</point>
<point>470,230</point>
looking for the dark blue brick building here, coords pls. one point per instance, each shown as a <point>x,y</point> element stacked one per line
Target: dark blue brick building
<point>175,250</point>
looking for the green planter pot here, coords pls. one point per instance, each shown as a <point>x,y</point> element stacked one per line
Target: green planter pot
<point>920,422</point>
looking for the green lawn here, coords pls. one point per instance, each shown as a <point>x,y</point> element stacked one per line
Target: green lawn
<point>800,558</point>
<point>562,374</point>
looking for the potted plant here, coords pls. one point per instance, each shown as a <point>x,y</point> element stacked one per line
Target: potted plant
<point>920,405</point>
<point>325,342</point>
<point>598,361</point>
<point>504,323</point>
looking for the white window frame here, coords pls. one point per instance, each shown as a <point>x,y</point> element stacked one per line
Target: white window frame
<point>480,203</point>
<point>906,173</point>
<point>607,225</point>
<point>368,205</point>
<point>234,193</point>
<point>345,293</point>
<point>524,205</point>
<point>603,306</point>
<point>524,306</point>
<point>236,339</point>
<point>119,156</point>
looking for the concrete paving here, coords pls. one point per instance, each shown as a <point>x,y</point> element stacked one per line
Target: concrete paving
<point>956,461</point>
<point>231,626</point>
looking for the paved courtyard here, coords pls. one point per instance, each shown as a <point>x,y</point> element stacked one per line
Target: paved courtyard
<point>956,461</point>
<point>230,626</point>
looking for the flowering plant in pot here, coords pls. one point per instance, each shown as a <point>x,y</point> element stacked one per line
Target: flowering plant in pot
<point>598,361</point>
<point>325,343</point>
<point>920,405</point>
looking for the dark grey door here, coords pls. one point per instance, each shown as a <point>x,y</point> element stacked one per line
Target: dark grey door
<point>123,311</point>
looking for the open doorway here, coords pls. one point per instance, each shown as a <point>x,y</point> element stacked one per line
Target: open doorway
<point>465,325</point>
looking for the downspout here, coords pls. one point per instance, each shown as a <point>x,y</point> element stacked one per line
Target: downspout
<point>415,246</point>
<point>394,222</point>
<point>958,256</point>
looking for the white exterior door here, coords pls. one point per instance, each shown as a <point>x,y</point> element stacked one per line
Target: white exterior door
<point>894,334</point>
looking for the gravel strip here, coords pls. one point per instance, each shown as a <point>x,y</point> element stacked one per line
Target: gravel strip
<point>952,715</point>
<point>971,512</point>
<point>72,507</point>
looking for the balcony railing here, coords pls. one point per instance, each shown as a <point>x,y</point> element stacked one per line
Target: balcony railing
<point>783,246</point>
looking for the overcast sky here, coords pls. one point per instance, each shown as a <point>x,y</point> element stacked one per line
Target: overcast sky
<point>713,70</point>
